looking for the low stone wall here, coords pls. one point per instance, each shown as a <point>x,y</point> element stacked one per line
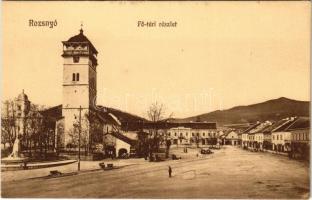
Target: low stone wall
<point>21,166</point>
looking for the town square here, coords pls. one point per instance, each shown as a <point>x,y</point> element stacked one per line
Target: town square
<point>212,105</point>
<point>263,175</point>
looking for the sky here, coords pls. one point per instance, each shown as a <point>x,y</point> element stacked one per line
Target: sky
<point>220,54</point>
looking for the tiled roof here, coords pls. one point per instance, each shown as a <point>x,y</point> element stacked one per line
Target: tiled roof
<point>274,126</point>
<point>299,123</point>
<point>123,138</point>
<point>81,38</point>
<point>106,118</point>
<point>284,126</point>
<point>251,127</point>
<point>261,127</point>
<point>121,115</point>
<point>54,113</point>
<point>132,126</point>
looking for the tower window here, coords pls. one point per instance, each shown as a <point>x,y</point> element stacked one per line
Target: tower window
<point>76,59</point>
<point>74,77</point>
<point>77,77</point>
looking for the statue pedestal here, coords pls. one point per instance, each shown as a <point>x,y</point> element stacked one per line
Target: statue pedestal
<point>11,160</point>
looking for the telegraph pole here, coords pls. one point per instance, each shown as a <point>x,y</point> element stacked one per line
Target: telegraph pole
<point>79,132</point>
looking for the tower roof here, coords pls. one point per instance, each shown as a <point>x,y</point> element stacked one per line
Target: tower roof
<point>81,38</point>
<point>22,96</point>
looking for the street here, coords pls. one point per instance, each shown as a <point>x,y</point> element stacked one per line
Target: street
<point>228,173</point>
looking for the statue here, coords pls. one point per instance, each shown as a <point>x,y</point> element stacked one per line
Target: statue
<point>16,156</point>
<point>16,149</point>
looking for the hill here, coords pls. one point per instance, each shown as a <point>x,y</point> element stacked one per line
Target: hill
<point>269,110</point>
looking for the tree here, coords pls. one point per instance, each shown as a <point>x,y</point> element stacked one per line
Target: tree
<point>91,132</point>
<point>84,135</point>
<point>8,121</point>
<point>95,128</point>
<point>156,114</point>
<point>35,131</point>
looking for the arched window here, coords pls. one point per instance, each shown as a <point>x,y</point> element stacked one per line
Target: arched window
<point>74,77</point>
<point>77,77</point>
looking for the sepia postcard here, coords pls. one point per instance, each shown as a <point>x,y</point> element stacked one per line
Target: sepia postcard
<point>165,100</point>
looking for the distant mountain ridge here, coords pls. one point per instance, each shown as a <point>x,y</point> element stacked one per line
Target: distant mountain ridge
<point>274,109</point>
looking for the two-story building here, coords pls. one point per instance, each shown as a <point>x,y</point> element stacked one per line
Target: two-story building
<point>260,136</point>
<point>230,137</point>
<point>281,138</point>
<point>244,135</point>
<point>300,138</point>
<point>253,139</point>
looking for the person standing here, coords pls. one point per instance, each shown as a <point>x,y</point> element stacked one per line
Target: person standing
<point>169,171</point>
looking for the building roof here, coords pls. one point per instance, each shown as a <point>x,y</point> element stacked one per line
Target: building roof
<point>251,127</point>
<point>288,124</point>
<point>130,122</point>
<point>53,113</point>
<point>121,115</point>
<point>139,125</point>
<point>227,132</point>
<point>274,126</point>
<point>81,38</point>
<point>282,127</point>
<point>107,118</point>
<point>299,123</point>
<point>22,96</point>
<point>261,127</point>
<point>123,138</point>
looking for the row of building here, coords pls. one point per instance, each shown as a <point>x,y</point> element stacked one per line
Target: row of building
<point>290,135</point>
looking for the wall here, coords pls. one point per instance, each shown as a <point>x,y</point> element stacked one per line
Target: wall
<point>122,145</point>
